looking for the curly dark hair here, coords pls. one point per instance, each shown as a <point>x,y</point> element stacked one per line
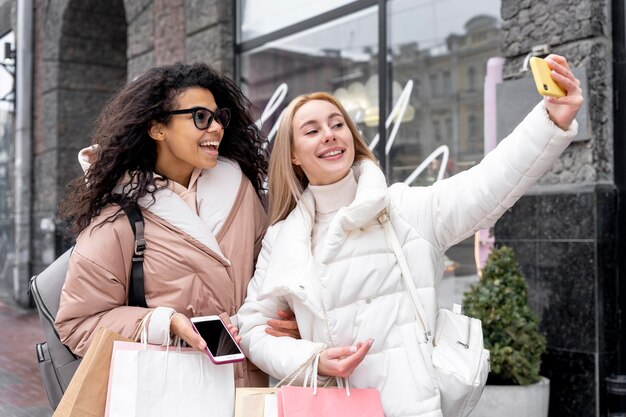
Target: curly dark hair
<point>121,131</point>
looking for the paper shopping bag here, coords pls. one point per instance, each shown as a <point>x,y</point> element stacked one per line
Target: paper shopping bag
<point>329,402</point>
<point>255,402</point>
<point>158,381</point>
<point>87,392</point>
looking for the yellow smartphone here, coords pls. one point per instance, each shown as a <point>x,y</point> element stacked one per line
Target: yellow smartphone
<point>544,82</point>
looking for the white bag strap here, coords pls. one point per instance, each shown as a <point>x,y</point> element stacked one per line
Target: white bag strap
<point>313,375</point>
<point>416,302</point>
<point>311,366</point>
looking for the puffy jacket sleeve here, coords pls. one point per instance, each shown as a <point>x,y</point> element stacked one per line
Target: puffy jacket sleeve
<point>94,294</point>
<point>276,356</point>
<point>453,209</point>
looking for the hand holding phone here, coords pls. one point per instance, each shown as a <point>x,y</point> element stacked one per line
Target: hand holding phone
<point>546,86</point>
<point>562,110</point>
<point>221,346</point>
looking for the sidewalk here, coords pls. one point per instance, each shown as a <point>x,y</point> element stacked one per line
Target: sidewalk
<point>21,392</point>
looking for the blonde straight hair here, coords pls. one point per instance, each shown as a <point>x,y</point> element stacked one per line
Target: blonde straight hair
<point>288,181</point>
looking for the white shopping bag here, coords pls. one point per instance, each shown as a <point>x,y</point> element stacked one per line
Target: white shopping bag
<point>155,381</point>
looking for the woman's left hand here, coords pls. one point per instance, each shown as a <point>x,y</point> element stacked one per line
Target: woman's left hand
<point>286,326</point>
<point>562,110</point>
<point>181,326</point>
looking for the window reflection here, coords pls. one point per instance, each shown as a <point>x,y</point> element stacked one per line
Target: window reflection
<point>471,79</point>
<point>443,45</point>
<point>446,45</point>
<point>7,130</point>
<point>437,52</point>
<point>259,17</point>
<point>339,57</point>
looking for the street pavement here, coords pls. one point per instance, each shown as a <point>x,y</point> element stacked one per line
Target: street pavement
<point>21,391</point>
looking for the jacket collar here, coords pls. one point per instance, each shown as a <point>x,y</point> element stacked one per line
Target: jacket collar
<point>171,208</point>
<point>371,198</point>
<point>291,267</point>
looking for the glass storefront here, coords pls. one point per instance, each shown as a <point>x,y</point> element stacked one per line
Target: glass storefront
<point>333,57</point>
<point>434,71</point>
<point>259,17</point>
<point>442,47</point>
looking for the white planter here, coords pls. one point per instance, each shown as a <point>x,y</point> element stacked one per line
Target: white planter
<point>514,400</point>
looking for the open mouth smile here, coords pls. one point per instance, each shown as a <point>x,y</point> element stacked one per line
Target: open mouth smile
<point>332,153</point>
<point>210,145</point>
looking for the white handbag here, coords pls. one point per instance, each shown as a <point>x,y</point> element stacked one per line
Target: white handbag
<point>460,361</point>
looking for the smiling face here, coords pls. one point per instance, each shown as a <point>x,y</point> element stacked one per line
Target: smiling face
<point>181,146</point>
<point>323,145</point>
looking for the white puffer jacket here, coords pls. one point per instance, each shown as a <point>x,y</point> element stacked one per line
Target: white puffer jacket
<point>354,291</point>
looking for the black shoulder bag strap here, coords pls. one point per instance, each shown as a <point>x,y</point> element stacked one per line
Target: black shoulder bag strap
<point>136,292</point>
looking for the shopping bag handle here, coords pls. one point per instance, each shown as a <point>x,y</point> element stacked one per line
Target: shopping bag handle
<point>311,366</point>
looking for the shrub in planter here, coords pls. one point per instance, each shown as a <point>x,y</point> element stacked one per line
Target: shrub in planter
<point>500,301</point>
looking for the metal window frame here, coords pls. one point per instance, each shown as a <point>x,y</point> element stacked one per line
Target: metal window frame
<point>384,81</point>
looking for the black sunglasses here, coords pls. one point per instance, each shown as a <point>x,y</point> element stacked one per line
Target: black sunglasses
<point>203,118</point>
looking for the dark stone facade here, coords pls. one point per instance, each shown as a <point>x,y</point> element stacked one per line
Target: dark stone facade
<point>565,230</point>
<point>565,241</point>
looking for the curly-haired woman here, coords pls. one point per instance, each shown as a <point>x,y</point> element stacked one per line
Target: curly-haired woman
<point>178,141</point>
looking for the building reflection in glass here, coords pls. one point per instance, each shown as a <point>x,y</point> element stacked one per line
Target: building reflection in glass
<point>442,47</point>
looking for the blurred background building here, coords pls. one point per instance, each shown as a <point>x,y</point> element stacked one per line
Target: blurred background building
<point>566,231</point>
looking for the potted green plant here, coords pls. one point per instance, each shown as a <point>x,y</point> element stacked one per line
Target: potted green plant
<point>500,301</point>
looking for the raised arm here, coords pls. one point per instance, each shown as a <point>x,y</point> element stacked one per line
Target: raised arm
<point>454,208</point>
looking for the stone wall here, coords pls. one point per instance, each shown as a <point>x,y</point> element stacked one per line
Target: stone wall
<point>84,50</point>
<point>580,31</point>
<point>209,31</point>
<point>564,231</point>
<point>79,61</point>
<point>163,32</point>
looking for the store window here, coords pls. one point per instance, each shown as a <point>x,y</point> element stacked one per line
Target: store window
<point>339,56</point>
<point>434,88</point>
<point>447,80</point>
<point>436,54</point>
<point>471,79</point>
<point>259,17</point>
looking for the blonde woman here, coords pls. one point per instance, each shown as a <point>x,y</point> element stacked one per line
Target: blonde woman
<point>327,258</point>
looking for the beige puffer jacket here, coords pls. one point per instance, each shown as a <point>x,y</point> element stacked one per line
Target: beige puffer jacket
<point>185,267</point>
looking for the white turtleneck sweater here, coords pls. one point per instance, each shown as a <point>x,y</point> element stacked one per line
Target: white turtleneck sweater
<point>328,200</point>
